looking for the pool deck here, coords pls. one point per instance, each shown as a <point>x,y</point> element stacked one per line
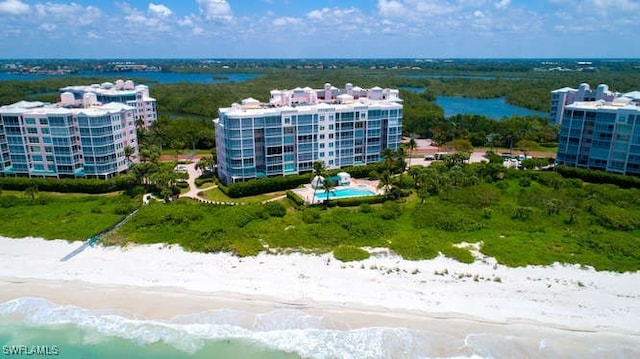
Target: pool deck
<point>359,184</point>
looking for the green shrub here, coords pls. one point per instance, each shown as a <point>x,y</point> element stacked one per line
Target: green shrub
<point>356,201</point>
<point>311,215</point>
<point>411,246</point>
<point>347,253</point>
<point>182,185</point>
<point>390,210</point>
<point>522,213</point>
<point>200,181</point>
<point>266,185</point>
<point>275,209</point>
<point>299,201</point>
<point>616,218</point>
<point>358,171</point>
<point>598,176</point>
<point>365,208</point>
<point>459,254</point>
<point>68,185</point>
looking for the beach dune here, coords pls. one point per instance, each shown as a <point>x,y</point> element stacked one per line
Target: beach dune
<point>450,308</point>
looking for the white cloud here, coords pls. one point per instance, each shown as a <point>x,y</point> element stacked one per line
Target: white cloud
<point>215,10</point>
<point>68,13</point>
<point>93,35</point>
<point>186,21</point>
<point>478,13</point>
<point>391,8</point>
<point>626,5</point>
<point>416,9</point>
<point>283,21</point>
<point>159,10</point>
<point>14,7</point>
<point>503,4</point>
<point>48,27</point>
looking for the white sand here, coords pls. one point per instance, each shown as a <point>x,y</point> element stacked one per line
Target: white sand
<point>566,297</point>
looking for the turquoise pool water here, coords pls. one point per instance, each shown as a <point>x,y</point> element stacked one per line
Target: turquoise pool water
<point>344,193</point>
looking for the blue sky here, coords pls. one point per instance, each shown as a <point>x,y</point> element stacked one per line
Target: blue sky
<point>319,28</point>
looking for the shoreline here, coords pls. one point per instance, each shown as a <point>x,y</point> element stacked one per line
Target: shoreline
<point>160,282</point>
<point>150,303</point>
<point>327,326</point>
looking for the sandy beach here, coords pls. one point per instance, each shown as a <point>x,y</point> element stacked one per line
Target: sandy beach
<point>583,310</point>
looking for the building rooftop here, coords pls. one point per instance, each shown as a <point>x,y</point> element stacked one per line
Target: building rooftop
<point>109,89</point>
<point>43,108</point>
<point>617,104</point>
<point>302,99</point>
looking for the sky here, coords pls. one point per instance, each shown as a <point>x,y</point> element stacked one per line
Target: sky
<point>319,29</point>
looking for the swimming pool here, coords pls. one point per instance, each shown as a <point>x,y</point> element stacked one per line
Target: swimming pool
<point>344,193</point>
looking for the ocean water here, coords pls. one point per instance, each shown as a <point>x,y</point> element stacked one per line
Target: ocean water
<point>71,332</point>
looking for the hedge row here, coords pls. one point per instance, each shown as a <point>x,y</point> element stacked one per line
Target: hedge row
<point>266,185</point>
<point>68,185</point>
<point>299,201</point>
<point>358,171</point>
<point>598,176</point>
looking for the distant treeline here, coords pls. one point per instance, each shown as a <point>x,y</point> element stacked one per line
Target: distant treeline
<point>195,105</point>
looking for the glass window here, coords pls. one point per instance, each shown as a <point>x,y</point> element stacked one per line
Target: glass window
<point>30,121</point>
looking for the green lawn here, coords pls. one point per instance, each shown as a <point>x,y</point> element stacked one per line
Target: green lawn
<point>215,194</point>
<point>68,216</point>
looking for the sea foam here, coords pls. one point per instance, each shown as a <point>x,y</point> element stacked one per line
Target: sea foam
<point>285,330</point>
<point>309,336</point>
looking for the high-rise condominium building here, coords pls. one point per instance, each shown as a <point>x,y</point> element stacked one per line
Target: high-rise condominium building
<point>340,127</point>
<point>602,134</point>
<point>77,137</point>
<point>567,95</point>
<point>126,92</point>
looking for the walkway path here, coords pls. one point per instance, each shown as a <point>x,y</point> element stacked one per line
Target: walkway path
<point>194,190</point>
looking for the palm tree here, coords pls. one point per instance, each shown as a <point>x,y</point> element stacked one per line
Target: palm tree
<point>128,152</point>
<point>329,189</point>
<point>411,145</point>
<point>205,163</point>
<point>319,171</point>
<point>385,182</point>
<point>149,153</point>
<point>388,154</point>
<point>31,191</point>
<point>423,182</point>
<point>177,146</point>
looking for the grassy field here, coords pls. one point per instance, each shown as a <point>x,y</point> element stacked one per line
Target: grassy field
<point>68,216</point>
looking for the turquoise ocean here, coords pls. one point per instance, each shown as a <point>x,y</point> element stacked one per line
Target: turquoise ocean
<point>74,332</point>
<point>79,333</point>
